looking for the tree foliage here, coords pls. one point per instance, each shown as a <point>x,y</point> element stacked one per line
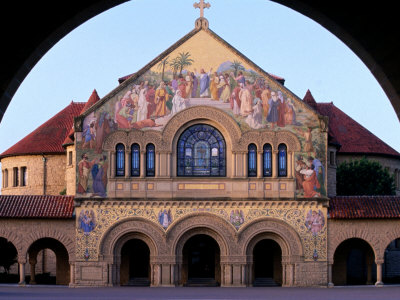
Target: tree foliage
<point>363,177</point>
<point>8,254</point>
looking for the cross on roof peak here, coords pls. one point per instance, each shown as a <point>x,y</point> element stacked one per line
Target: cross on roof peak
<point>201,5</point>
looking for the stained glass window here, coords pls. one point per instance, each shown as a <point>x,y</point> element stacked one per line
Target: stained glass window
<point>252,160</point>
<point>150,161</point>
<point>120,160</point>
<point>282,160</point>
<point>135,160</point>
<point>201,152</point>
<point>267,157</point>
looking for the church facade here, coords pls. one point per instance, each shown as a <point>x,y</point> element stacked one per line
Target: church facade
<point>199,169</point>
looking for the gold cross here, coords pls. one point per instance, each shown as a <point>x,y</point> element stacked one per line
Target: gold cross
<point>201,5</point>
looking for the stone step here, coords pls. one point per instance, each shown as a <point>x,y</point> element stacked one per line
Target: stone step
<point>201,282</point>
<point>139,281</point>
<point>264,281</point>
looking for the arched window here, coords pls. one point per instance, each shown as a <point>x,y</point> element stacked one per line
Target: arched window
<point>135,160</point>
<point>252,161</point>
<point>282,160</point>
<point>267,160</point>
<point>150,161</point>
<point>201,152</point>
<point>120,160</point>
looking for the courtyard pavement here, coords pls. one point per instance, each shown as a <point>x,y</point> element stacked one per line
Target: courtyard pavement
<point>13,292</point>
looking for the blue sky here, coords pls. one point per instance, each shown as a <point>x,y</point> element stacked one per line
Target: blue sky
<point>124,39</point>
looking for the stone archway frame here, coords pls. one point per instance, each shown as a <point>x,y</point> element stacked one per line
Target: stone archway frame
<point>131,137</point>
<point>60,237</point>
<point>282,233</point>
<point>268,228</point>
<point>201,223</point>
<point>119,233</point>
<point>17,242</point>
<point>344,236</point>
<point>201,114</point>
<point>388,237</point>
<point>274,138</point>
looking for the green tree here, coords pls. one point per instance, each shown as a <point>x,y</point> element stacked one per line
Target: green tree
<point>161,65</point>
<point>237,66</point>
<point>363,177</point>
<point>8,254</point>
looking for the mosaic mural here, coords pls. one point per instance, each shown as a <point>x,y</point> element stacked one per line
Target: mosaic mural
<point>310,224</point>
<point>191,75</point>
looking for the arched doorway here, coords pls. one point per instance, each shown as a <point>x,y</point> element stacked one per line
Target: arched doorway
<point>391,265</point>
<point>135,263</point>
<point>354,263</point>
<point>267,263</point>
<point>49,262</point>
<point>201,261</point>
<point>8,262</point>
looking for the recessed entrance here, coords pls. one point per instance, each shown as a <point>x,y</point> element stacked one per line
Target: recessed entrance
<point>201,262</point>
<point>267,263</point>
<point>135,263</point>
<point>354,263</point>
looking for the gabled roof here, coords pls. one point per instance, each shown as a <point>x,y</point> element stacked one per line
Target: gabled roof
<point>37,206</point>
<point>49,137</point>
<point>364,207</point>
<point>128,79</point>
<point>347,133</point>
<point>352,136</point>
<point>94,97</point>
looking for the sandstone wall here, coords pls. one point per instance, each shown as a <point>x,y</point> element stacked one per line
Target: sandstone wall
<point>54,169</point>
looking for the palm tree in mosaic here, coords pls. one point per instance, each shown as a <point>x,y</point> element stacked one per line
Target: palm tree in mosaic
<point>254,76</point>
<point>184,60</point>
<point>174,64</point>
<point>237,66</point>
<point>161,65</point>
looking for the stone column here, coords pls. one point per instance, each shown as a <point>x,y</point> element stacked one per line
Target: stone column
<point>21,266</point>
<point>157,166</point>
<point>169,164</point>
<point>72,273</point>
<point>243,279</point>
<point>127,163</point>
<point>274,164</point>
<point>142,164</point>
<point>260,170</point>
<point>112,164</point>
<point>290,165</point>
<point>234,172</point>
<point>379,281</point>
<point>32,263</point>
<point>330,277</point>
<point>245,164</point>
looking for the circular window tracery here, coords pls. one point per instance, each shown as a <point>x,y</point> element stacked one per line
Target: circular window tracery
<point>201,152</point>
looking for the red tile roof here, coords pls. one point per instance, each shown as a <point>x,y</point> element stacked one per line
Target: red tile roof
<point>352,136</point>
<point>48,137</point>
<point>309,99</point>
<point>28,206</point>
<point>94,97</point>
<point>364,207</point>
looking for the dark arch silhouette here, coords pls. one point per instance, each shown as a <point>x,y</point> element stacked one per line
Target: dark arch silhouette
<point>369,30</point>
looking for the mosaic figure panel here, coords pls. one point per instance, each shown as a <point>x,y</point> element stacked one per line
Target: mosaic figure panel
<point>191,75</point>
